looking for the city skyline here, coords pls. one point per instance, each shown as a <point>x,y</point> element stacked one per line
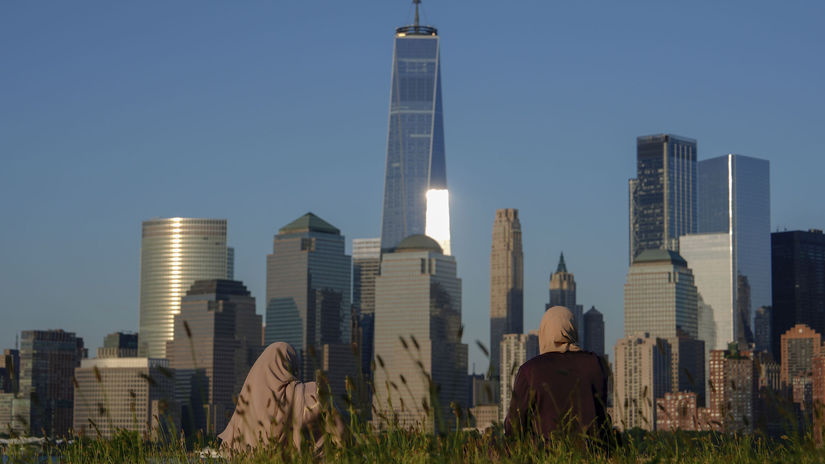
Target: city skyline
<point>93,128</point>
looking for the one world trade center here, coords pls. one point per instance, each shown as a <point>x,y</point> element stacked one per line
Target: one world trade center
<point>416,200</point>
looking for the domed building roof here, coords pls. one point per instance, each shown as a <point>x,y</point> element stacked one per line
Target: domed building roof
<point>418,242</point>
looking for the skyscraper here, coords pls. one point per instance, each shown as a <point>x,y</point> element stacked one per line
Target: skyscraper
<point>366,265</point>
<point>506,282</point>
<point>308,290</point>
<point>798,282</point>
<point>563,293</point>
<point>416,199</point>
<point>798,346</point>
<point>730,256</point>
<point>516,349</point>
<point>642,375</point>
<point>119,345</point>
<point>663,194</point>
<point>175,252</point>
<point>594,331</point>
<point>418,336</point>
<point>734,378</point>
<point>217,330</point>
<point>762,329</point>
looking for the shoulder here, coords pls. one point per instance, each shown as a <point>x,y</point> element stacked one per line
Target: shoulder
<point>578,358</point>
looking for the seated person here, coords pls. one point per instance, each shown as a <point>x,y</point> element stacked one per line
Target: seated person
<point>274,406</point>
<point>564,389</point>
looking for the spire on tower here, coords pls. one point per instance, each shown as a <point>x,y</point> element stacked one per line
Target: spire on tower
<point>561,267</point>
<point>416,3</point>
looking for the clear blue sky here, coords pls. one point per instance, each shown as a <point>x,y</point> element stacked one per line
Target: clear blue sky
<point>115,112</point>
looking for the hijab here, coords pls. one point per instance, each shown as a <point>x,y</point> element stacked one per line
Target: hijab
<point>557,332</point>
<point>273,404</point>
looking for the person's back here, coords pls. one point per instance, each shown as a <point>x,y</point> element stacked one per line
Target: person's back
<point>563,389</point>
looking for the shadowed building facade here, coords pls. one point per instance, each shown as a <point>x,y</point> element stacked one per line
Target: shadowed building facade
<point>663,194</point>
<point>174,253</point>
<point>506,282</point>
<point>563,293</point>
<point>415,182</point>
<point>308,290</point>
<point>419,355</point>
<point>366,265</point>
<point>594,331</point>
<point>225,342</point>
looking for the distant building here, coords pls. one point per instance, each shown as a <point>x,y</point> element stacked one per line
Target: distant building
<point>733,383</point>
<point>506,282</point>
<point>594,331</point>
<point>798,346</point>
<point>483,390</point>
<point>516,349</point>
<point>418,336</point>
<point>798,282</point>
<point>11,371</point>
<point>174,253</point>
<point>48,359</point>
<point>485,416</point>
<point>663,194</point>
<point>15,413</point>
<point>762,329</point>
<point>308,290</point>
<point>218,331</point>
<point>678,411</point>
<point>126,393</point>
<point>642,374</point>
<point>687,359</point>
<point>119,345</point>
<point>366,265</point>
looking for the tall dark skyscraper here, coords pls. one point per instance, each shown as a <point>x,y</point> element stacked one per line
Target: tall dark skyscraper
<point>308,290</point>
<point>594,331</point>
<point>416,200</point>
<point>663,194</point>
<point>798,281</point>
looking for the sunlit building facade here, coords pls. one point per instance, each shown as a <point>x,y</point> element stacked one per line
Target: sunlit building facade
<point>662,197</point>
<point>506,282</point>
<point>174,253</point>
<point>418,336</point>
<point>642,374</point>
<point>416,199</point>
<point>515,349</point>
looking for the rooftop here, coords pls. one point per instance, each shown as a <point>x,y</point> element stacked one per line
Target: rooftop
<point>660,255</point>
<point>309,223</point>
<point>419,242</point>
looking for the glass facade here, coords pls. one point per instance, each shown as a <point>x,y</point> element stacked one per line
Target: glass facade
<point>174,253</point>
<point>415,142</point>
<point>418,337</point>
<point>308,290</point>
<point>663,194</point>
<point>734,199</point>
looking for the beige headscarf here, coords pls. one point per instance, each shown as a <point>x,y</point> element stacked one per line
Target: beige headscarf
<point>557,332</point>
<point>274,405</point>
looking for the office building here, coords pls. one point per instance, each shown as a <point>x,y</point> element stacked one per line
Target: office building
<point>563,293</point>
<point>119,345</point>
<point>418,336</point>
<point>515,349</point>
<point>416,199</point>
<point>659,296</point>
<point>594,331</point>
<point>506,282</point>
<point>663,194</point>
<point>11,371</point>
<point>218,331</point>
<point>174,253</point>
<point>642,375</point>
<point>798,282</point>
<point>733,389</point>
<point>48,359</point>
<point>366,264</point>
<point>129,393</point>
<point>798,346</point>
<point>308,290</point>
<point>687,359</point>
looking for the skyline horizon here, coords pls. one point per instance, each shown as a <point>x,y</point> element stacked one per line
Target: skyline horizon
<point>130,133</point>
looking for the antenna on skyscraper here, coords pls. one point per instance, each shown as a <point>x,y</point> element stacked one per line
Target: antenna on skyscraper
<point>16,341</point>
<point>416,3</point>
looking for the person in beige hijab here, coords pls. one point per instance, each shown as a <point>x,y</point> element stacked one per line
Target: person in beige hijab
<point>561,389</point>
<point>275,407</point>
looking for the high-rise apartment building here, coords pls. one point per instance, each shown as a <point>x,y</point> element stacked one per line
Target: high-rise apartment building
<point>733,384</point>
<point>416,199</point>
<point>659,296</point>
<point>218,331</point>
<point>47,362</point>
<point>663,194</point>
<point>130,393</point>
<point>642,375</point>
<point>762,329</point>
<point>506,282</point>
<point>563,293</point>
<point>174,253</point>
<point>798,346</point>
<point>418,345</point>
<point>798,282</point>
<point>515,349</point>
<point>308,290</point>
<point>594,331</point>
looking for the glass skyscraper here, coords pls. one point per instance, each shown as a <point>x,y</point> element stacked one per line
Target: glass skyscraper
<point>663,194</point>
<point>415,185</point>
<point>174,253</point>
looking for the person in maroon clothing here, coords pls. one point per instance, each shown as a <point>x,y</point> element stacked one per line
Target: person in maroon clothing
<point>564,389</point>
